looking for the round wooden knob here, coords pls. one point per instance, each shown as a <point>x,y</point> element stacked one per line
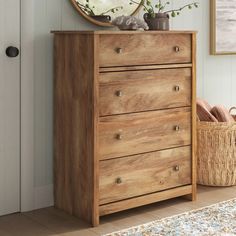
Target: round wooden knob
<point>119,50</point>
<point>119,180</point>
<point>176,128</point>
<point>177,48</point>
<point>176,168</point>
<point>177,88</point>
<point>119,136</point>
<point>119,93</point>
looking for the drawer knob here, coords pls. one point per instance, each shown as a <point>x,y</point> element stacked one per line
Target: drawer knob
<point>119,50</point>
<point>177,48</point>
<point>176,168</point>
<point>119,137</point>
<point>177,128</point>
<point>119,180</point>
<point>119,93</point>
<point>177,88</point>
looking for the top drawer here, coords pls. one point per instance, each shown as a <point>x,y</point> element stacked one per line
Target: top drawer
<point>144,49</point>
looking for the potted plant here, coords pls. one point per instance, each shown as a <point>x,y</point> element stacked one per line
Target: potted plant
<point>90,10</point>
<point>156,16</point>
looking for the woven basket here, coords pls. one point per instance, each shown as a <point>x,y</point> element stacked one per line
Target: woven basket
<point>216,153</point>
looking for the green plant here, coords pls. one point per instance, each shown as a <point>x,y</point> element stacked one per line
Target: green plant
<point>150,8</point>
<point>90,9</point>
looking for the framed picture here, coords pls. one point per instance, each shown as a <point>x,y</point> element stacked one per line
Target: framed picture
<point>223,27</point>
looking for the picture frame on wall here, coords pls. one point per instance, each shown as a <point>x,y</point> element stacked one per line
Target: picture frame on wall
<point>223,27</point>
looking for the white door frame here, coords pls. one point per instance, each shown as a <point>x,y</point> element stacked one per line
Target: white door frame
<point>27,105</point>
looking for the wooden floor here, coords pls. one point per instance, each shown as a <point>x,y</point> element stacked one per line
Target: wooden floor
<point>50,221</point>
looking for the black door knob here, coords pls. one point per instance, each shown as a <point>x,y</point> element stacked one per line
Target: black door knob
<point>12,51</point>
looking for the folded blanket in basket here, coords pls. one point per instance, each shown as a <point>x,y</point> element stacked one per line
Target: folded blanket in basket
<point>204,111</point>
<point>222,114</point>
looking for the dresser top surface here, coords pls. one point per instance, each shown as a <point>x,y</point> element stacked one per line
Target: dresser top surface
<point>102,32</point>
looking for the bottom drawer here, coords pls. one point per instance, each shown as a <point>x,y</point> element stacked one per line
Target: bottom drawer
<point>113,207</point>
<point>137,175</point>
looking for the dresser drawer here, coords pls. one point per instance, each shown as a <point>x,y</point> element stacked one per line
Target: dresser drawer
<point>132,91</point>
<point>124,135</point>
<point>144,49</point>
<point>128,177</point>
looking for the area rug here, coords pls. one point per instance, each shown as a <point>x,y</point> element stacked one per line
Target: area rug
<point>215,220</point>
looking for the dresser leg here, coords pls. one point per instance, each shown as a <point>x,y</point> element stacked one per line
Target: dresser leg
<point>95,221</point>
<point>192,196</point>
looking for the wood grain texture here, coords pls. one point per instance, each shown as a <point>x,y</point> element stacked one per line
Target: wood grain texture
<point>194,119</point>
<point>144,49</point>
<point>144,200</point>
<point>127,151</point>
<point>75,126</point>
<point>130,134</point>
<point>145,67</point>
<point>137,175</point>
<point>193,195</point>
<point>126,92</point>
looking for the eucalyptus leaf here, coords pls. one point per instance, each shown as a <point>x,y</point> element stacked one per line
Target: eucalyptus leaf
<point>161,6</point>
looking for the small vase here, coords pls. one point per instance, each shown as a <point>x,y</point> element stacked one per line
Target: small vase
<point>102,18</point>
<point>160,22</point>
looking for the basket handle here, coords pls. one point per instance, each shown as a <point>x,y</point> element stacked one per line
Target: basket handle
<point>231,109</point>
<point>230,112</point>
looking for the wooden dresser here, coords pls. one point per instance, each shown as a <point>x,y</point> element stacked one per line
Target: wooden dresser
<point>124,120</point>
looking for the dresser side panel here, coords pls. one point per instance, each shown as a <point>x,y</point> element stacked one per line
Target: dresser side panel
<point>194,117</point>
<point>74,128</point>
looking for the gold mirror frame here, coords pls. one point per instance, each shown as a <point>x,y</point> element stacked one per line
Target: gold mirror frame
<point>96,22</point>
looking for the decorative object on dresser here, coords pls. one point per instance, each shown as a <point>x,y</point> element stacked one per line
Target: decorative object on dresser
<point>160,20</point>
<point>129,23</point>
<point>125,116</point>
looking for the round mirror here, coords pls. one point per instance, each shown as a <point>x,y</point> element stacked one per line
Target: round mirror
<point>102,12</point>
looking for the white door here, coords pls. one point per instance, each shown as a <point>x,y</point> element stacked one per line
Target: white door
<point>9,106</point>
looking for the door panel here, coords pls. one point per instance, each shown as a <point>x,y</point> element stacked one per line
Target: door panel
<point>9,108</point>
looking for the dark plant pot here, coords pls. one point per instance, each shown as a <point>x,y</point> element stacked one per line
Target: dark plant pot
<point>160,22</point>
<point>102,18</point>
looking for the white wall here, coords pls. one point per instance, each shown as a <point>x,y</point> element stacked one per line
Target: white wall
<point>215,75</point>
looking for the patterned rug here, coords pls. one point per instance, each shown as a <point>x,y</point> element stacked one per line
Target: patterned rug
<point>215,220</point>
